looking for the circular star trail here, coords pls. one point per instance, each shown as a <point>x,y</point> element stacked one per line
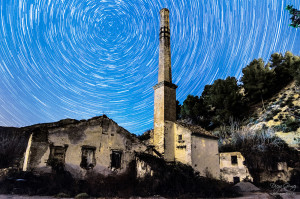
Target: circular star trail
<point>79,59</point>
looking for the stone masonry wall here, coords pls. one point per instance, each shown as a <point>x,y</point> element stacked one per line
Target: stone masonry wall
<point>230,170</point>
<point>102,135</point>
<point>205,156</point>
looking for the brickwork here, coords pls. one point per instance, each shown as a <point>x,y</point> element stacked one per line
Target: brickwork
<point>164,91</point>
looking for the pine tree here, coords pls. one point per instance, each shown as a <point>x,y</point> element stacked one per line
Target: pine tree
<point>224,98</point>
<point>258,80</point>
<point>295,16</point>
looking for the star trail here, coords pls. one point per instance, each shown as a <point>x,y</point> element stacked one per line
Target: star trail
<point>82,58</point>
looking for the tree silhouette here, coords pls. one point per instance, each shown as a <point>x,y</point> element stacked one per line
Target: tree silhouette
<point>258,81</point>
<point>224,98</point>
<point>295,16</point>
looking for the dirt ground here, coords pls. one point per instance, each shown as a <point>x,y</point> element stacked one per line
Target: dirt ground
<point>257,195</point>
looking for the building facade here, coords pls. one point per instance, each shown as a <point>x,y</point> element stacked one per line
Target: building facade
<point>233,169</point>
<point>97,145</point>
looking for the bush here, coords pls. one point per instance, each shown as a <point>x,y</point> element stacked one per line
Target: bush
<point>275,112</point>
<point>169,180</point>
<point>31,184</point>
<point>295,179</point>
<point>13,144</point>
<point>269,117</point>
<point>145,135</point>
<point>177,179</point>
<point>282,104</point>
<point>292,125</point>
<point>289,102</point>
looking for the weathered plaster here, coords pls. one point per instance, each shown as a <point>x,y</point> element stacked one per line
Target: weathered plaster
<point>142,168</point>
<point>27,153</point>
<point>205,156</point>
<point>100,133</point>
<point>183,150</point>
<point>229,170</point>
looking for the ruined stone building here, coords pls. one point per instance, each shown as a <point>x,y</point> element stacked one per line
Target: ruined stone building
<point>233,168</point>
<point>99,144</point>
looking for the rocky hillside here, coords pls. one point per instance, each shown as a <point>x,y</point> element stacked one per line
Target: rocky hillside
<point>280,113</point>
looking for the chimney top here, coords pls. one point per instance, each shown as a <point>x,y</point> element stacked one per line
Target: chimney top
<point>164,10</point>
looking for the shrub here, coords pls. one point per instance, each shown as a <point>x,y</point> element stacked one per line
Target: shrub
<point>292,124</point>
<point>282,105</point>
<point>169,180</point>
<point>289,102</point>
<point>274,112</point>
<point>45,184</point>
<point>269,117</point>
<point>177,179</point>
<point>145,135</point>
<point>295,179</point>
<point>12,146</point>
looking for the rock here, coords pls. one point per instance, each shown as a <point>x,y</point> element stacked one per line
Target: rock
<point>245,187</point>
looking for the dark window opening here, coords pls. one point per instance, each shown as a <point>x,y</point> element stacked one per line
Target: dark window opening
<point>88,160</point>
<point>234,159</point>
<point>179,137</point>
<point>116,157</point>
<point>236,180</point>
<point>180,140</point>
<point>57,156</point>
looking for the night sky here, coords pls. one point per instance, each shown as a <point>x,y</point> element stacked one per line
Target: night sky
<point>82,58</point>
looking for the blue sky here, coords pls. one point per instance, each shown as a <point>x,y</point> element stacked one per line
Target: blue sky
<point>81,58</point>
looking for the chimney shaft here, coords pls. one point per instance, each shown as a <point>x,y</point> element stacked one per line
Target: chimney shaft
<point>164,94</point>
<point>164,73</point>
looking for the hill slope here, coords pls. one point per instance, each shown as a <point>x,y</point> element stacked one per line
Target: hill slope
<point>282,114</point>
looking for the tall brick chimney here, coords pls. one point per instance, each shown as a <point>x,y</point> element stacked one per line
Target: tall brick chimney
<point>164,91</point>
<point>164,73</point>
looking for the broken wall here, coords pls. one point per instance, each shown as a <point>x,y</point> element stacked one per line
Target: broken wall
<point>205,156</point>
<point>98,144</point>
<point>232,166</point>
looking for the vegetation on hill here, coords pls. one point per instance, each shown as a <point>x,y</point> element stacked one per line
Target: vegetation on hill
<point>226,98</point>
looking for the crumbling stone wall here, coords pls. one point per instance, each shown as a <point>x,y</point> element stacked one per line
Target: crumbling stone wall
<point>232,165</point>
<point>99,139</point>
<point>205,156</point>
<point>182,144</point>
<point>199,151</point>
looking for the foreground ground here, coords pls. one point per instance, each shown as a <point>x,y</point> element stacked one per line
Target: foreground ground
<point>257,195</point>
